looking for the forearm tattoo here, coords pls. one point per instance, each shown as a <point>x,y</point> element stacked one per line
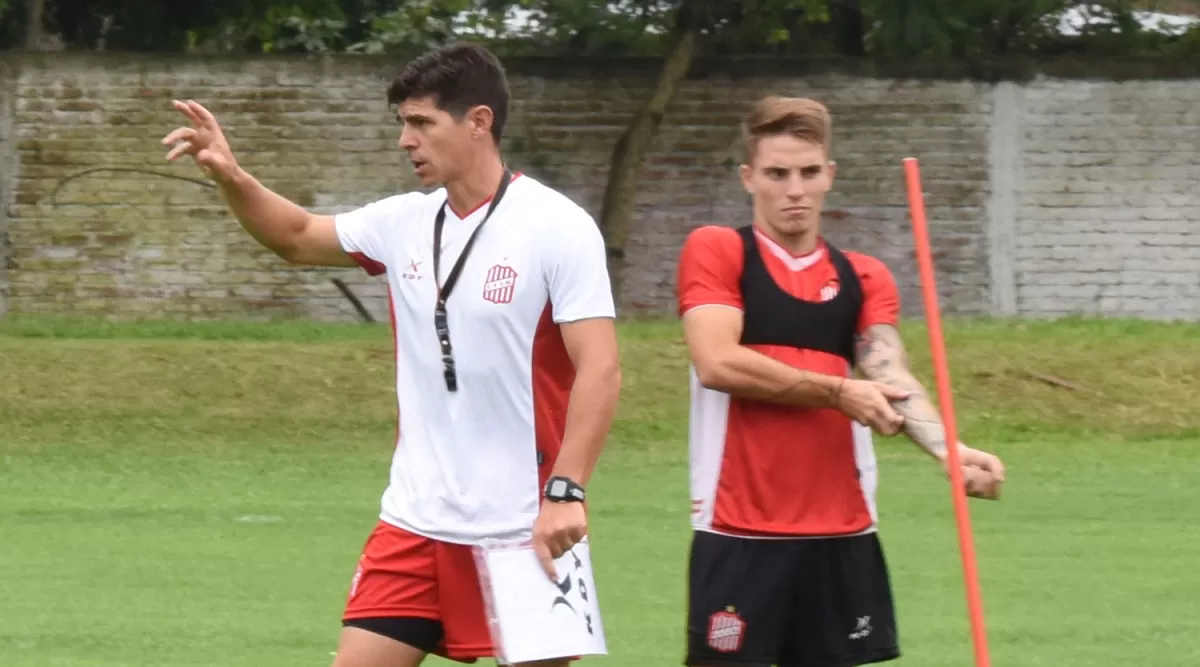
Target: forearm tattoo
<point>880,356</point>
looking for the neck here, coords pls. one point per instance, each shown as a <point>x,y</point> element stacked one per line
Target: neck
<point>798,245</point>
<point>476,183</point>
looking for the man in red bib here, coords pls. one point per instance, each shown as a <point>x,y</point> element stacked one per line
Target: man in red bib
<point>786,567</point>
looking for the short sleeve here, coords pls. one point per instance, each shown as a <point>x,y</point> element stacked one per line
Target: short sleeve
<point>881,296</point>
<point>363,231</point>
<point>576,269</point>
<point>710,269</point>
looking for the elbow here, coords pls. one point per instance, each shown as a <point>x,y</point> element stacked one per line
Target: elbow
<point>291,250</point>
<point>297,257</point>
<point>712,374</point>
<point>294,242</point>
<point>288,253</point>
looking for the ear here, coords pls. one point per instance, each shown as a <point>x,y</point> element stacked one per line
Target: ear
<point>745,172</point>
<point>480,118</point>
<point>832,175</point>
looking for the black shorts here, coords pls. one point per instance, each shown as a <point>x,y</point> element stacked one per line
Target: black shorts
<point>815,602</point>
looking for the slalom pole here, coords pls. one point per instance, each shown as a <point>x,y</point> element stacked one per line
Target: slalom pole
<point>916,207</point>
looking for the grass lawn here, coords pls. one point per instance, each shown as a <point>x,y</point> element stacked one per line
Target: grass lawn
<point>197,494</point>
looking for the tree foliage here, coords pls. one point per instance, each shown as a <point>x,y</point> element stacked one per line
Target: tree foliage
<point>676,30</point>
<point>878,28</point>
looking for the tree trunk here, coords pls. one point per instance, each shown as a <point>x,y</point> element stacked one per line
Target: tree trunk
<point>33,26</point>
<point>629,153</point>
<point>849,27</point>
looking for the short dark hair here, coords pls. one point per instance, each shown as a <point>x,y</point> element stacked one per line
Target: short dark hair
<point>457,76</point>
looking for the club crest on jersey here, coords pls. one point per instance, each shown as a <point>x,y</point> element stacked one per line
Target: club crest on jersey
<point>830,290</point>
<point>725,631</point>
<point>500,284</point>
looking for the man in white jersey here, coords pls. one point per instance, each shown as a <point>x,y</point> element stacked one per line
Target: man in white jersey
<point>507,372</point>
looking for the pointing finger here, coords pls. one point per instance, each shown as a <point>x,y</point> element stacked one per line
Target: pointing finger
<point>204,115</point>
<point>544,557</point>
<point>187,110</point>
<point>184,109</point>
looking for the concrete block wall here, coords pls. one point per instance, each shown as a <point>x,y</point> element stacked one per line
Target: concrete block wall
<point>1106,199</point>
<point>1054,196</point>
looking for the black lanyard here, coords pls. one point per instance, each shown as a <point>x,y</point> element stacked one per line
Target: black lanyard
<point>443,291</point>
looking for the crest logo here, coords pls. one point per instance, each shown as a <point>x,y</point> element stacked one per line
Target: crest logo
<point>500,284</point>
<point>725,631</point>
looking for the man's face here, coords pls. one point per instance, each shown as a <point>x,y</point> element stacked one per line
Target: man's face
<point>436,143</point>
<point>788,178</point>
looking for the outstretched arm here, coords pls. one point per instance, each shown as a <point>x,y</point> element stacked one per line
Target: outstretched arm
<point>881,356</point>
<point>277,223</point>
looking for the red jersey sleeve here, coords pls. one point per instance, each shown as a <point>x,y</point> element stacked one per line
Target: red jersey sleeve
<point>881,297</point>
<point>710,269</point>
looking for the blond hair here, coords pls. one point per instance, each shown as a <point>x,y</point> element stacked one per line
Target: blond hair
<point>799,117</point>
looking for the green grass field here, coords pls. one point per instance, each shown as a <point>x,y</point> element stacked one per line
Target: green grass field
<point>185,494</point>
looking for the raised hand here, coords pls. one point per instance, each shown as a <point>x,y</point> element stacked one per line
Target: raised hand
<point>204,141</point>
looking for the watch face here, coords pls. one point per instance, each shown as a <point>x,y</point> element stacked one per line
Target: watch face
<point>558,488</point>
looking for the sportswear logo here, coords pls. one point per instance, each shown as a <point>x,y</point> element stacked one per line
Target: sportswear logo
<point>725,630</point>
<point>862,628</point>
<point>500,284</point>
<point>564,588</point>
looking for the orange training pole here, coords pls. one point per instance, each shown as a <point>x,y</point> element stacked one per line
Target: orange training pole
<point>916,206</point>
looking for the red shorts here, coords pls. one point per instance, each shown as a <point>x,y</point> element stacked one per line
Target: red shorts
<point>401,574</point>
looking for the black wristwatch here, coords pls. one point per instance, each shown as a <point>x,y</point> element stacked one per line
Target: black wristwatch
<point>563,490</point>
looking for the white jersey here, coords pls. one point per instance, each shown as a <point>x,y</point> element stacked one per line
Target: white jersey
<point>470,465</point>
